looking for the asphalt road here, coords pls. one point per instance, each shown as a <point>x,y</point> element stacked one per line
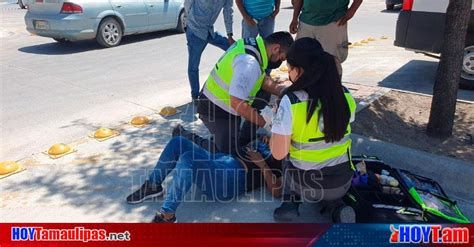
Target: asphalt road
<point>57,93</point>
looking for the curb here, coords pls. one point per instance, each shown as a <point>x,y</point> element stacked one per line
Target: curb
<point>455,176</point>
<point>377,92</point>
<point>430,95</point>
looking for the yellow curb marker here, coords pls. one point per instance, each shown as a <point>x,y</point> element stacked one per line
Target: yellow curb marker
<point>103,134</point>
<point>59,150</point>
<point>8,168</point>
<point>372,39</point>
<point>364,41</point>
<point>384,37</point>
<point>168,111</point>
<point>140,121</point>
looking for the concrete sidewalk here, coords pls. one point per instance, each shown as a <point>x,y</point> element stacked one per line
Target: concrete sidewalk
<point>91,184</point>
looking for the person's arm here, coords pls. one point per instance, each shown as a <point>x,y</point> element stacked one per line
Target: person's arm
<point>282,129</point>
<point>229,19</point>
<point>297,6</point>
<point>350,12</point>
<point>246,111</point>
<point>246,73</point>
<point>280,145</point>
<point>240,5</point>
<point>272,87</point>
<point>273,184</point>
<point>277,8</point>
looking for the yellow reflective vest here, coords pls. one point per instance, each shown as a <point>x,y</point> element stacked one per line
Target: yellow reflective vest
<point>308,149</point>
<point>217,85</point>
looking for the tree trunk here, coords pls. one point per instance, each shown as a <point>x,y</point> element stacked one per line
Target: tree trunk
<point>443,106</point>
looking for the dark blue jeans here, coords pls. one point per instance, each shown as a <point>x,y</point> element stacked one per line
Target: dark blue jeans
<point>196,46</point>
<point>218,176</point>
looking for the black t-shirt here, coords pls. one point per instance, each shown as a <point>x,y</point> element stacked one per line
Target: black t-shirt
<point>254,176</point>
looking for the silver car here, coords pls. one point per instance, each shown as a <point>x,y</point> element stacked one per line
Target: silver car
<point>107,21</point>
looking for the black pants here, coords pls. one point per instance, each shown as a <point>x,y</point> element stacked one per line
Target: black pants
<point>225,132</point>
<point>205,143</point>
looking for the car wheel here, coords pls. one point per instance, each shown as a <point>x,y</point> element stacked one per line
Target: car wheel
<point>109,33</point>
<point>62,41</point>
<point>21,4</point>
<point>181,27</point>
<point>390,6</point>
<point>467,73</point>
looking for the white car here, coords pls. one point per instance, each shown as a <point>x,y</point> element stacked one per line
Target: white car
<point>107,21</point>
<point>420,27</point>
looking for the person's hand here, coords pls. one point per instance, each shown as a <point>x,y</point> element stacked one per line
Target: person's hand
<point>256,158</point>
<point>284,85</point>
<point>294,26</point>
<point>275,13</point>
<point>343,21</point>
<point>250,21</point>
<point>231,40</point>
<point>265,139</point>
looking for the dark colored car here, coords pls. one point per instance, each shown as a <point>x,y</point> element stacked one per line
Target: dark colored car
<point>420,27</point>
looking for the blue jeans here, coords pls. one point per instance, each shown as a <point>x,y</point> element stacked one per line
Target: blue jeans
<point>195,48</point>
<point>264,27</point>
<point>218,176</point>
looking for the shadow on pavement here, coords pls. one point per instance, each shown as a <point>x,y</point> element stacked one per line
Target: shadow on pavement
<point>92,184</point>
<point>418,76</point>
<point>55,48</point>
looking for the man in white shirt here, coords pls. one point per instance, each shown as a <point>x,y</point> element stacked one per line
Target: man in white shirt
<point>222,103</point>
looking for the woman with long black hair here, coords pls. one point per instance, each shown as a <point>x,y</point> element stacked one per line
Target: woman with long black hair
<point>311,130</point>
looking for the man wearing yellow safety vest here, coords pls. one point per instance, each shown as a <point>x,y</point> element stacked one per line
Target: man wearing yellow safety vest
<point>233,84</point>
<point>311,131</point>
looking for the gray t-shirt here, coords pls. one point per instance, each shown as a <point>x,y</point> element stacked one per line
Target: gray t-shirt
<point>246,71</point>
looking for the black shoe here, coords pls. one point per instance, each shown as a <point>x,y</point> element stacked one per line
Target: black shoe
<point>178,130</point>
<point>288,211</point>
<point>147,190</point>
<point>344,214</point>
<point>159,218</point>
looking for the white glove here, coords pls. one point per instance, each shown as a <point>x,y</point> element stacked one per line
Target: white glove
<point>268,126</point>
<point>267,114</point>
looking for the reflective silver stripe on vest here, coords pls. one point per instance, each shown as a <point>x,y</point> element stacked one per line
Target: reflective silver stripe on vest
<point>218,102</point>
<point>254,50</point>
<point>307,165</point>
<point>219,81</point>
<point>318,145</point>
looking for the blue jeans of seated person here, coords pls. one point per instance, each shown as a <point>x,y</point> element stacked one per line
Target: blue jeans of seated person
<point>218,176</point>
<point>196,47</point>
